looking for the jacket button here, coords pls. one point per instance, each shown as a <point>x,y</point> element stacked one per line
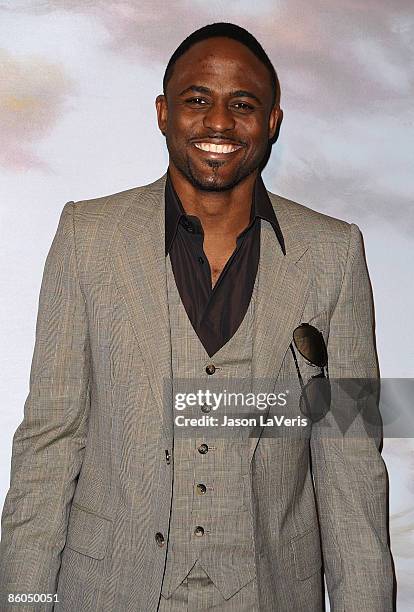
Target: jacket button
<point>205,408</point>
<point>199,531</point>
<point>203,449</point>
<point>159,538</point>
<point>211,368</point>
<point>201,489</point>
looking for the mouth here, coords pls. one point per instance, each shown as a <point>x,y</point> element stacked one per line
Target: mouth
<point>214,150</point>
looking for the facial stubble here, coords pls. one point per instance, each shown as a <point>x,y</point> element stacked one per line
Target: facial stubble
<point>189,172</point>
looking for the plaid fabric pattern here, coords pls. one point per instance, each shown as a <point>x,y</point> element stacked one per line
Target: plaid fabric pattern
<point>90,487</point>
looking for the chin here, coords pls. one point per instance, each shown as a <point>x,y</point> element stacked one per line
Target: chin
<point>212,180</point>
<point>214,184</point>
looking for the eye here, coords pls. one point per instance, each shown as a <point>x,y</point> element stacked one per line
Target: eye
<point>196,101</point>
<point>244,106</point>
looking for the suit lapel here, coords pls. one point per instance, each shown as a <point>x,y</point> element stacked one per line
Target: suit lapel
<point>140,273</point>
<point>282,292</point>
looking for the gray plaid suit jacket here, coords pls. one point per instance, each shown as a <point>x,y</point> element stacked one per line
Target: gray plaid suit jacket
<point>90,486</point>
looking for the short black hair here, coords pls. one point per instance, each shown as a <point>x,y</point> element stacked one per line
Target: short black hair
<point>228,30</point>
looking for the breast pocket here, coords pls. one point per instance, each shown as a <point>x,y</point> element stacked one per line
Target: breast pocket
<point>321,322</point>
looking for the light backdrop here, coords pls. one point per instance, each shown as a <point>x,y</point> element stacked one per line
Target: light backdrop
<point>78,80</point>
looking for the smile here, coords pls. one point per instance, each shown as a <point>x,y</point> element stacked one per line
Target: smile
<point>216,148</point>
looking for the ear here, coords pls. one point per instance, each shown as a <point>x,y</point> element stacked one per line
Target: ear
<point>275,120</point>
<point>162,112</point>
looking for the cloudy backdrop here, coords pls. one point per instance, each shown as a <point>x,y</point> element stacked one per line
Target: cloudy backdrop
<point>77,120</point>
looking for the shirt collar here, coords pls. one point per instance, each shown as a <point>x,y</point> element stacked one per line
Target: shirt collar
<point>261,207</point>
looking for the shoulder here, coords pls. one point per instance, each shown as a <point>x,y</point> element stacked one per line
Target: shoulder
<point>96,222</point>
<point>307,224</point>
<point>334,243</point>
<point>113,206</point>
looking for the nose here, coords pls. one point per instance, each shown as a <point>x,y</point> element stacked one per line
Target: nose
<point>219,118</point>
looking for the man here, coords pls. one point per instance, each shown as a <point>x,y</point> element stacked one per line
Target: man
<point>202,275</point>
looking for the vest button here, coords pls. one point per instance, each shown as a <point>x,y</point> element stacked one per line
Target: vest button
<point>205,408</point>
<point>211,368</point>
<point>159,538</point>
<point>203,449</point>
<point>201,489</point>
<point>199,531</point>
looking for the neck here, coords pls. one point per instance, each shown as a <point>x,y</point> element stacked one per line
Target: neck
<point>225,213</point>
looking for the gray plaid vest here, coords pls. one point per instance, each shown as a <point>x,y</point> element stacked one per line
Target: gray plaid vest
<point>211,519</point>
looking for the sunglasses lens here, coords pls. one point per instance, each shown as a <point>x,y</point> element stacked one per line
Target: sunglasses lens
<point>311,345</point>
<point>315,400</point>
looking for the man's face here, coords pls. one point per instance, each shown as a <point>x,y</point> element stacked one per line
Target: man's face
<point>219,95</point>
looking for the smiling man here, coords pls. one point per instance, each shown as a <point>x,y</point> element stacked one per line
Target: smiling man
<point>202,276</point>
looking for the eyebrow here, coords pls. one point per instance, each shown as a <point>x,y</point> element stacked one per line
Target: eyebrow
<point>239,93</point>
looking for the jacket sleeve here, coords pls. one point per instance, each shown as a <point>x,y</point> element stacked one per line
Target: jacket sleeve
<point>349,473</point>
<point>48,445</point>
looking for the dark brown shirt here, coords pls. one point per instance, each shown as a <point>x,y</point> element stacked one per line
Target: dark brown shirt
<point>215,313</point>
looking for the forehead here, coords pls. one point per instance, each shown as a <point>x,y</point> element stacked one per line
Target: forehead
<point>221,63</point>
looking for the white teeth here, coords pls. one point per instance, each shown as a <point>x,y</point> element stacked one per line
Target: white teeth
<point>216,148</point>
